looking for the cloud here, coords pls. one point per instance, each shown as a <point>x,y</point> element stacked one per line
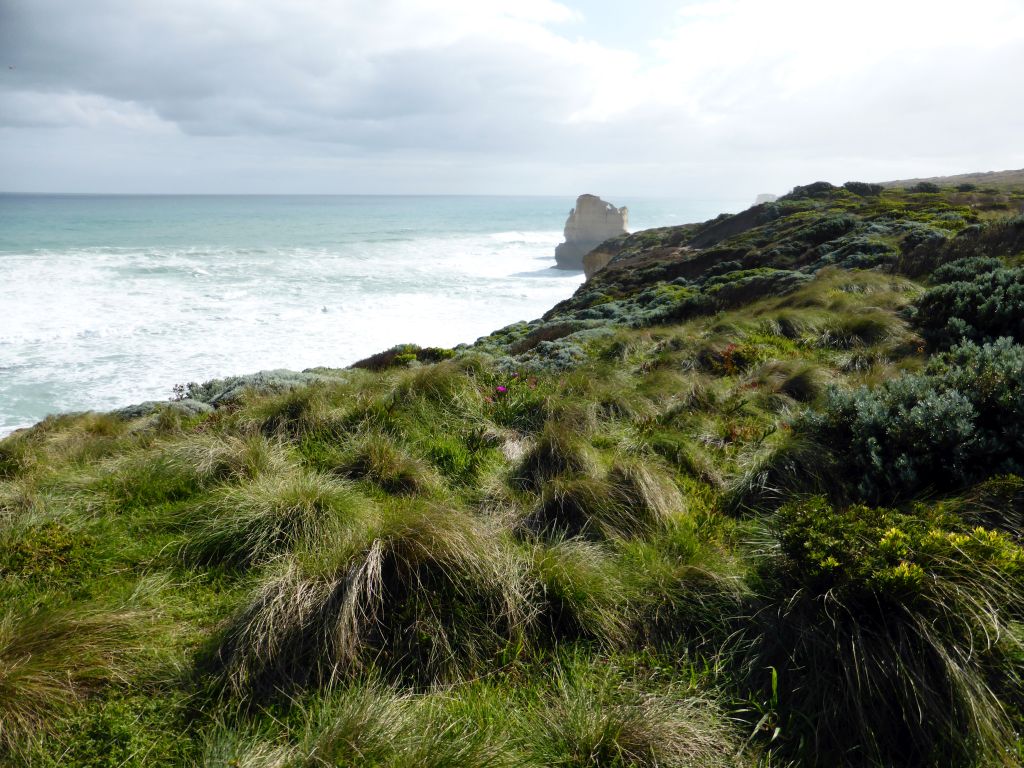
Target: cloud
<point>731,93</point>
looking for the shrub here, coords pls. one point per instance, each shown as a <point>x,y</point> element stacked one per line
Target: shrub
<point>965,270</point>
<point>401,355</point>
<point>889,628</point>
<point>827,228</point>
<point>989,306</point>
<point>863,189</point>
<point>737,288</point>
<point>925,186</point>
<point>960,421</point>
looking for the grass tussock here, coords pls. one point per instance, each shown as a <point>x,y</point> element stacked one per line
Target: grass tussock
<point>581,593</point>
<point>595,718</point>
<point>446,384</point>
<point>243,525</point>
<point>51,659</point>
<point>370,724</point>
<point>422,592</point>
<point>559,449</point>
<point>798,380</point>
<point>768,473</point>
<point>380,459</point>
<point>633,498</point>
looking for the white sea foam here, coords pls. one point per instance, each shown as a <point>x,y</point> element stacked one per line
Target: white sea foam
<point>97,328</point>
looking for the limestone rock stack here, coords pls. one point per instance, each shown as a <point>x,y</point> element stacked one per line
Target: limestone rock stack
<point>590,223</point>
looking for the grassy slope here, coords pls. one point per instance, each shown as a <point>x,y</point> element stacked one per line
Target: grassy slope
<point>582,541</point>
<point>1002,180</point>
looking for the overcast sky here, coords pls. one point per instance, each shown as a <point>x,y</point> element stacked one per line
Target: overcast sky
<point>709,98</point>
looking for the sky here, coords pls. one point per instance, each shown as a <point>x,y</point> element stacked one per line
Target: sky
<point>702,99</point>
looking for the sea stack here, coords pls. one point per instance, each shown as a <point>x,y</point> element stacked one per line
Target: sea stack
<point>590,223</point>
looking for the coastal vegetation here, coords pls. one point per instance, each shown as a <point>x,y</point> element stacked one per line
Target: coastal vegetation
<point>752,496</point>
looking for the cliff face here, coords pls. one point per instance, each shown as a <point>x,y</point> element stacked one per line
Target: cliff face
<point>590,223</point>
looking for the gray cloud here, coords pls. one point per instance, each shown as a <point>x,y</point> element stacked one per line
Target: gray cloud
<point>213,95</point>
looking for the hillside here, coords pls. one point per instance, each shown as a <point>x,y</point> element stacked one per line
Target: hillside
<point>1002,180</point>
<point>752,496</point>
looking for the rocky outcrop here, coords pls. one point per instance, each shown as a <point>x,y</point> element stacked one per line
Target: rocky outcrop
<point>765,197</point>
<point>590,223</point>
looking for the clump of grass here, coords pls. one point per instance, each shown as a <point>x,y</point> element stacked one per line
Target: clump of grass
<point>52,658</point>
<point>302,410</point>
<point>996,503</point>
<point>582,593</point>
<point>559,449</point>
<point>226,748</point>
<point>859,329</point>
<point>361,723</point>
<point>178,470</point>
<point>768,473</point>
<point>633,498</point>
<point>382,460</point>
<point>244,748</point>
<point>445,383</point>
<point>646,490</point>
<point>228,458</point>
<point>595,718</point>
<point>800,380</point>
<point>248,524</point>
<point>17,498</point>
<point>16,456</point>
<point>789,324</point>
<point>422,592</point>
<point>689,589</point>
<point>578,506</point>
<point>370,724</point>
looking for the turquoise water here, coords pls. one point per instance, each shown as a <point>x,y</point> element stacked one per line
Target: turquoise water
<point>111,300</point>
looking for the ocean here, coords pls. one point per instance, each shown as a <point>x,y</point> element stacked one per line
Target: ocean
<point>108,300</point>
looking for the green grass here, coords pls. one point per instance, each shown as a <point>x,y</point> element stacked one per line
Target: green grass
<point>245,525</point>
<point>51,659</point>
